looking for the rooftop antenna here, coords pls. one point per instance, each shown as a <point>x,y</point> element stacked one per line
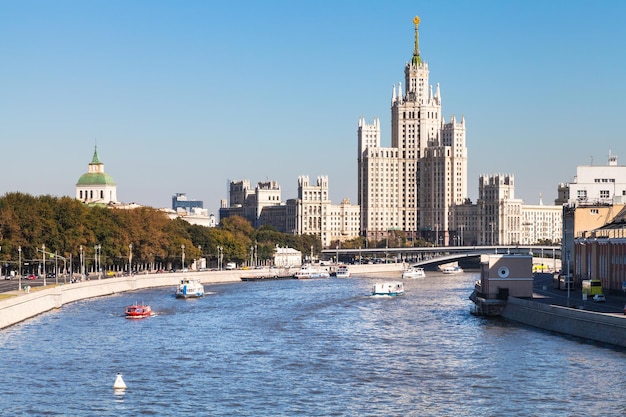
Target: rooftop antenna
<point>591,160</point>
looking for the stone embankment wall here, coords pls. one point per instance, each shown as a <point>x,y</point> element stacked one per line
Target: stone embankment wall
<point>23,306</point>
<point>601,327</point>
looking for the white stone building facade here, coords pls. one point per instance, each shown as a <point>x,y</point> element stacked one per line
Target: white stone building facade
<point>412,185</point>
<point>311,212</point>
<point>316,215</point>
<point>596,184</point>
<point>498,218</point>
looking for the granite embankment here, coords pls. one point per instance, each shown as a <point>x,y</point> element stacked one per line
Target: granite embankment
<point>22,306</point>
<point>19,306</point>
<point>600,327</point>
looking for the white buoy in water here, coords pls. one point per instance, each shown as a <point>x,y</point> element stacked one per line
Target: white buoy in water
<point>119,382</point>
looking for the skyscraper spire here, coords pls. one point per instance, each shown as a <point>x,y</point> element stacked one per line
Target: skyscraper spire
<point>417,60</point>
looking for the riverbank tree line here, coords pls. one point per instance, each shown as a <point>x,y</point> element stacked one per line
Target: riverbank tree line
<point>146,238</point>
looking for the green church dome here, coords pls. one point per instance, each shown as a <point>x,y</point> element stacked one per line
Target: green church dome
<point>96,174</point>
<point>95,178</point>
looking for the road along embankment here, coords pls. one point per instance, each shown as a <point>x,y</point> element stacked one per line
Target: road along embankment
<point>600,327</point>
<point>23,306</point>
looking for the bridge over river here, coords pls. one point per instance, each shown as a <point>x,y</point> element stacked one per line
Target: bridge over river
<point>432,257</point>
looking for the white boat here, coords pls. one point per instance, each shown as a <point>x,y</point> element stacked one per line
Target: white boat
<point>309,272</point>
<point>413,272</point>
<point>390,289</point>
<point>452,270</point>
<point>343,271</point>
<point>190,288</point>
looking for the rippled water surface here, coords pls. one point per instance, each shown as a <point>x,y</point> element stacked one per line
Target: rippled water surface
<point>302,348</point>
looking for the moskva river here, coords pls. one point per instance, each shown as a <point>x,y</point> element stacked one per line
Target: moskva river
<point>303,348</point>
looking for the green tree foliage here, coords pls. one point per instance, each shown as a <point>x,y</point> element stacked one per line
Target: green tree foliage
<point>65,225</point>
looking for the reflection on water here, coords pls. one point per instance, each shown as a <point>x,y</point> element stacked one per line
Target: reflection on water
<point>313,347</point>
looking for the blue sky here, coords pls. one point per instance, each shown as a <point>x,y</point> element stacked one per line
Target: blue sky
<point>185,96</point>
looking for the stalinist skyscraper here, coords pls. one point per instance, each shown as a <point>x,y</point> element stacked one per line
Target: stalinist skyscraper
<point>412,185</point>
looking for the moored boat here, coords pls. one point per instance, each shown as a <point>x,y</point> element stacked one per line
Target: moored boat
<point>343,271</point>
<point>309,272</point>
<point>452,270</point>
<point>413,272</point>
<point>190,288</point>
<point>390,289</point>
<point>138,311</point>
<point>264,275</point>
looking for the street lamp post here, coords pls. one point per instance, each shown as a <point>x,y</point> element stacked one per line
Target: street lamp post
<point>80,266</point>
<point>130,258</point>
<point>43,263</point>
<point>183,256</point>
<point>220,251</point>
<point>568,279</point>
<point>19,268</point>
<point>97,249</point>
<point>95,260</point>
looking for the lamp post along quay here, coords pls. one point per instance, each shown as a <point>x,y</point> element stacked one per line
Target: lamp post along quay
<point>98,265</point>
<point>80,266</point>
<point>130,258</point>
<point>43,264</point>
<point>183,256</point>
<point>19,268</point>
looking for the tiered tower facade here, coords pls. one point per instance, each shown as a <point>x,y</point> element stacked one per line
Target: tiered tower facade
<point>412,185</point>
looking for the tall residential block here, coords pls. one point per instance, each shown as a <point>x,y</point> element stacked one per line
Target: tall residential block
<point>412,185</point>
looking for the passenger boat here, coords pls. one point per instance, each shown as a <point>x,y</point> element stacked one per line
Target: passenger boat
<point>390,289</point>
<point>452,270</point>
<point>413,272</point>
<point>138,311</point>
<point>190,288</point>
<point>343,271</point>
<point>309,272</point>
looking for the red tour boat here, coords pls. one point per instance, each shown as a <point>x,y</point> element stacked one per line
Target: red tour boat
<point>137,311</point>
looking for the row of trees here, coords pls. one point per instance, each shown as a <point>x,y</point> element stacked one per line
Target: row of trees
<point>68,227</point>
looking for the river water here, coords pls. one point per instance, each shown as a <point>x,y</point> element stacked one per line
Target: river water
<point>302,348</point>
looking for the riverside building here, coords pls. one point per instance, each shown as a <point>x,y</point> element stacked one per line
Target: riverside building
<point>498,218</point>
<point>412,185</point>
<point>593,199</point>
<point>312,212</point>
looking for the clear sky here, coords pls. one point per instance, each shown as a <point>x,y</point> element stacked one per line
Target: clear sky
<point>183,96</point>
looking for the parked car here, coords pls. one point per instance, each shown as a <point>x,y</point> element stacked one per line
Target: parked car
<point>599,298</point>
<point>31,276</point>
<point>8,277</point>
